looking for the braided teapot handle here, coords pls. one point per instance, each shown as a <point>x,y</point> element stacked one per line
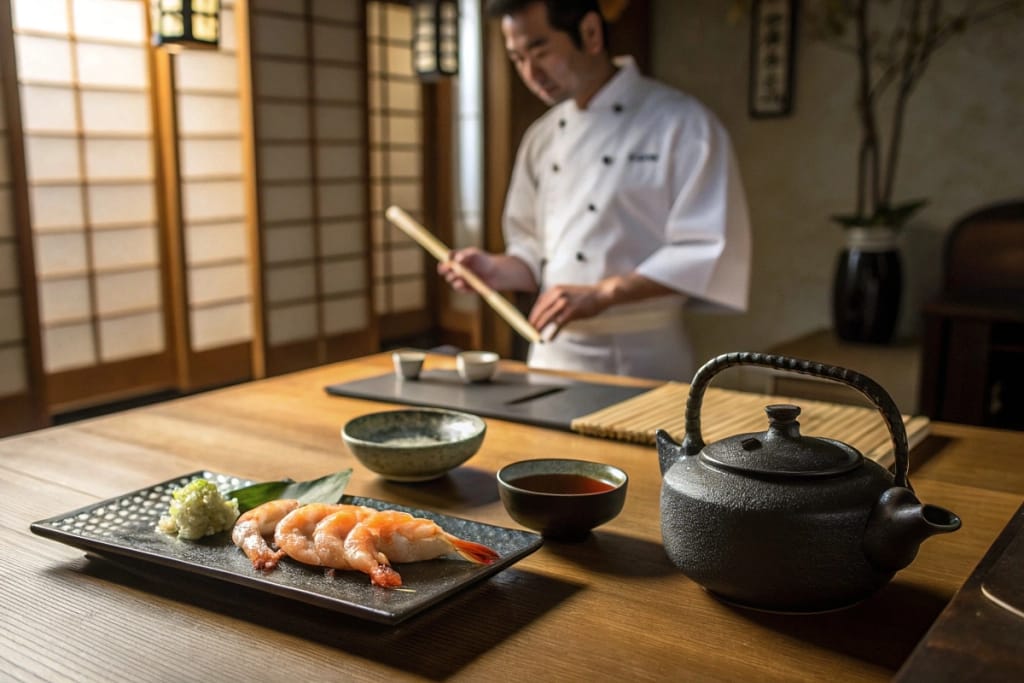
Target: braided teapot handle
<point>693,442</point>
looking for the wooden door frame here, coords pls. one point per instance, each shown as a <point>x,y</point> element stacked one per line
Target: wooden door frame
<point>28,411</point>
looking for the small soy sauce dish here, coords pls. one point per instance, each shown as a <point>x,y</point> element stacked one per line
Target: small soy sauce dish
<point>562,499</point>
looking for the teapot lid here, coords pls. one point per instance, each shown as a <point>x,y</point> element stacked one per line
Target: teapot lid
<point>782,450</point>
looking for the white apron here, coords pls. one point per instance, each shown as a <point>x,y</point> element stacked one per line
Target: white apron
<point>661,352</point>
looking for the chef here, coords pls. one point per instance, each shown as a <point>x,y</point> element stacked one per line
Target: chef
<point>625,204</point>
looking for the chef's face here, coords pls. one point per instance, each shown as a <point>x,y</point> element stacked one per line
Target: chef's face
<point>547,60</point>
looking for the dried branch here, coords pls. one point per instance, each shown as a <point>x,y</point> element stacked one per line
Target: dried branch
<point>915,50</point>
<point>867,180</point>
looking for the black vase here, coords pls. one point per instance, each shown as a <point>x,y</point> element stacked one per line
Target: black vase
<point>867,287</point>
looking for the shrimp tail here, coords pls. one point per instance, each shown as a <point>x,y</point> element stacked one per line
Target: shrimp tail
<point>268,562</point>
<point>384,575</point>
<point>474,552</point>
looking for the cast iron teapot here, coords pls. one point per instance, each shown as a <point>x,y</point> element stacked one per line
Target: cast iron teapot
<point>779,521</point>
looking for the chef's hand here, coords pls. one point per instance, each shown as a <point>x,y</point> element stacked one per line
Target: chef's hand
<point>479,262</point>
<point>498,271</point>
<point>562,304</point>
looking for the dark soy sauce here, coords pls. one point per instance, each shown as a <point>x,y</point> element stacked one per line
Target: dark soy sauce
<point>561,483</point>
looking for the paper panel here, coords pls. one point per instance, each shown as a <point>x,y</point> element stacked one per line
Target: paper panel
<point>204,199</point>
<point>342,199</point>
<point>215,242</point>
<point>288,243</point>
<point>340,122</point>
<point>291,324</point>
<point>286,203</point>
<point>282,121</point>
<point>47,109</point>
<point>114,20</point>
<point>131,336</point>
<point>209,114</point>
<point>125,247</point>
<point>341,277</point>
<point>52,158</point>
<point>68,347</point>
<point>119,66</point>
<point>340,162</point>
<point>56,206</point>
<point>116,112</point>
<point>200,157</point>
<point>119,204</point>
<point>131,291</point>
<point>118,158</point>
<point>221,325</point>
<point>342,237</point>
<point>44,60</point>
<point>209,284</point>
<point>281,79</point>
<point>60,253</point>
<point>289,283</point>
<point>64,299</point>
<point>345,315</point>
<point>285,162</point>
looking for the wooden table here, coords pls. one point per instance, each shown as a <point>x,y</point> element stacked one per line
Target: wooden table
<point>611,607</point>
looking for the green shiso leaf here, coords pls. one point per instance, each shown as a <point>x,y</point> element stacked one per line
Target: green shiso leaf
<point>327,489</point>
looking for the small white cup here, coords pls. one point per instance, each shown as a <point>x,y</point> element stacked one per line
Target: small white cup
<point>408,363</point>
<point>476,366</point>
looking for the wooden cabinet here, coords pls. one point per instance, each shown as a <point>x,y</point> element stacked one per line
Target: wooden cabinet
<point>973,364</point>
<point>974,331</point>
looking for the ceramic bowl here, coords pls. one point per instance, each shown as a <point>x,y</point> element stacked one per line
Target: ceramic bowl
<point>476,366</point>
<point>562,499</point>
<point>413,444</point>
<point>408,363</point>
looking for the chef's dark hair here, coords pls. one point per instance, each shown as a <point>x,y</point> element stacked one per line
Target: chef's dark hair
<point>563,15</point>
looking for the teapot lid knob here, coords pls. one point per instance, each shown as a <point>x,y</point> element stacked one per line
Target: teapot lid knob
<point>781,413</point>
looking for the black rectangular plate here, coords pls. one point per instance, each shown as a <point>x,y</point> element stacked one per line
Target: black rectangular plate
<point>126,526</point>
<point>537,399</point>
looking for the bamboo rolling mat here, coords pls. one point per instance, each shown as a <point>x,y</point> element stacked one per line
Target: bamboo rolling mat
<point>726,413</point>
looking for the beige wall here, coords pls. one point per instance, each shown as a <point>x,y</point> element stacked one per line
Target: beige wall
<point>964,148</point>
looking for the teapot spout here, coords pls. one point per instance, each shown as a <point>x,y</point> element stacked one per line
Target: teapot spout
<point>669,452</point>
<point>899,524</point>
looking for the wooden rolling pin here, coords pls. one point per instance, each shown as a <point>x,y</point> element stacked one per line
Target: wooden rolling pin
<point>438,250</point>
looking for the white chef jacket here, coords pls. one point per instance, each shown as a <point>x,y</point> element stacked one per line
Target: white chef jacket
<point>644,179</point>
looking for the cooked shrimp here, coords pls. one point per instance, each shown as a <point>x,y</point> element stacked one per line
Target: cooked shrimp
<point>252,526</point>
<point>330,534</point>
<point>396,536</point>
<point>294,533</point>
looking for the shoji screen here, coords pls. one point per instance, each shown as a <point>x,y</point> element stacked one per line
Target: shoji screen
<point>84,83</point>
<point>308,61</point>
<point>216,260</point>
<point>396,162</point>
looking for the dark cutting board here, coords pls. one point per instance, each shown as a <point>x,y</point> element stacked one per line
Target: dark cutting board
<point>535,399</point>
